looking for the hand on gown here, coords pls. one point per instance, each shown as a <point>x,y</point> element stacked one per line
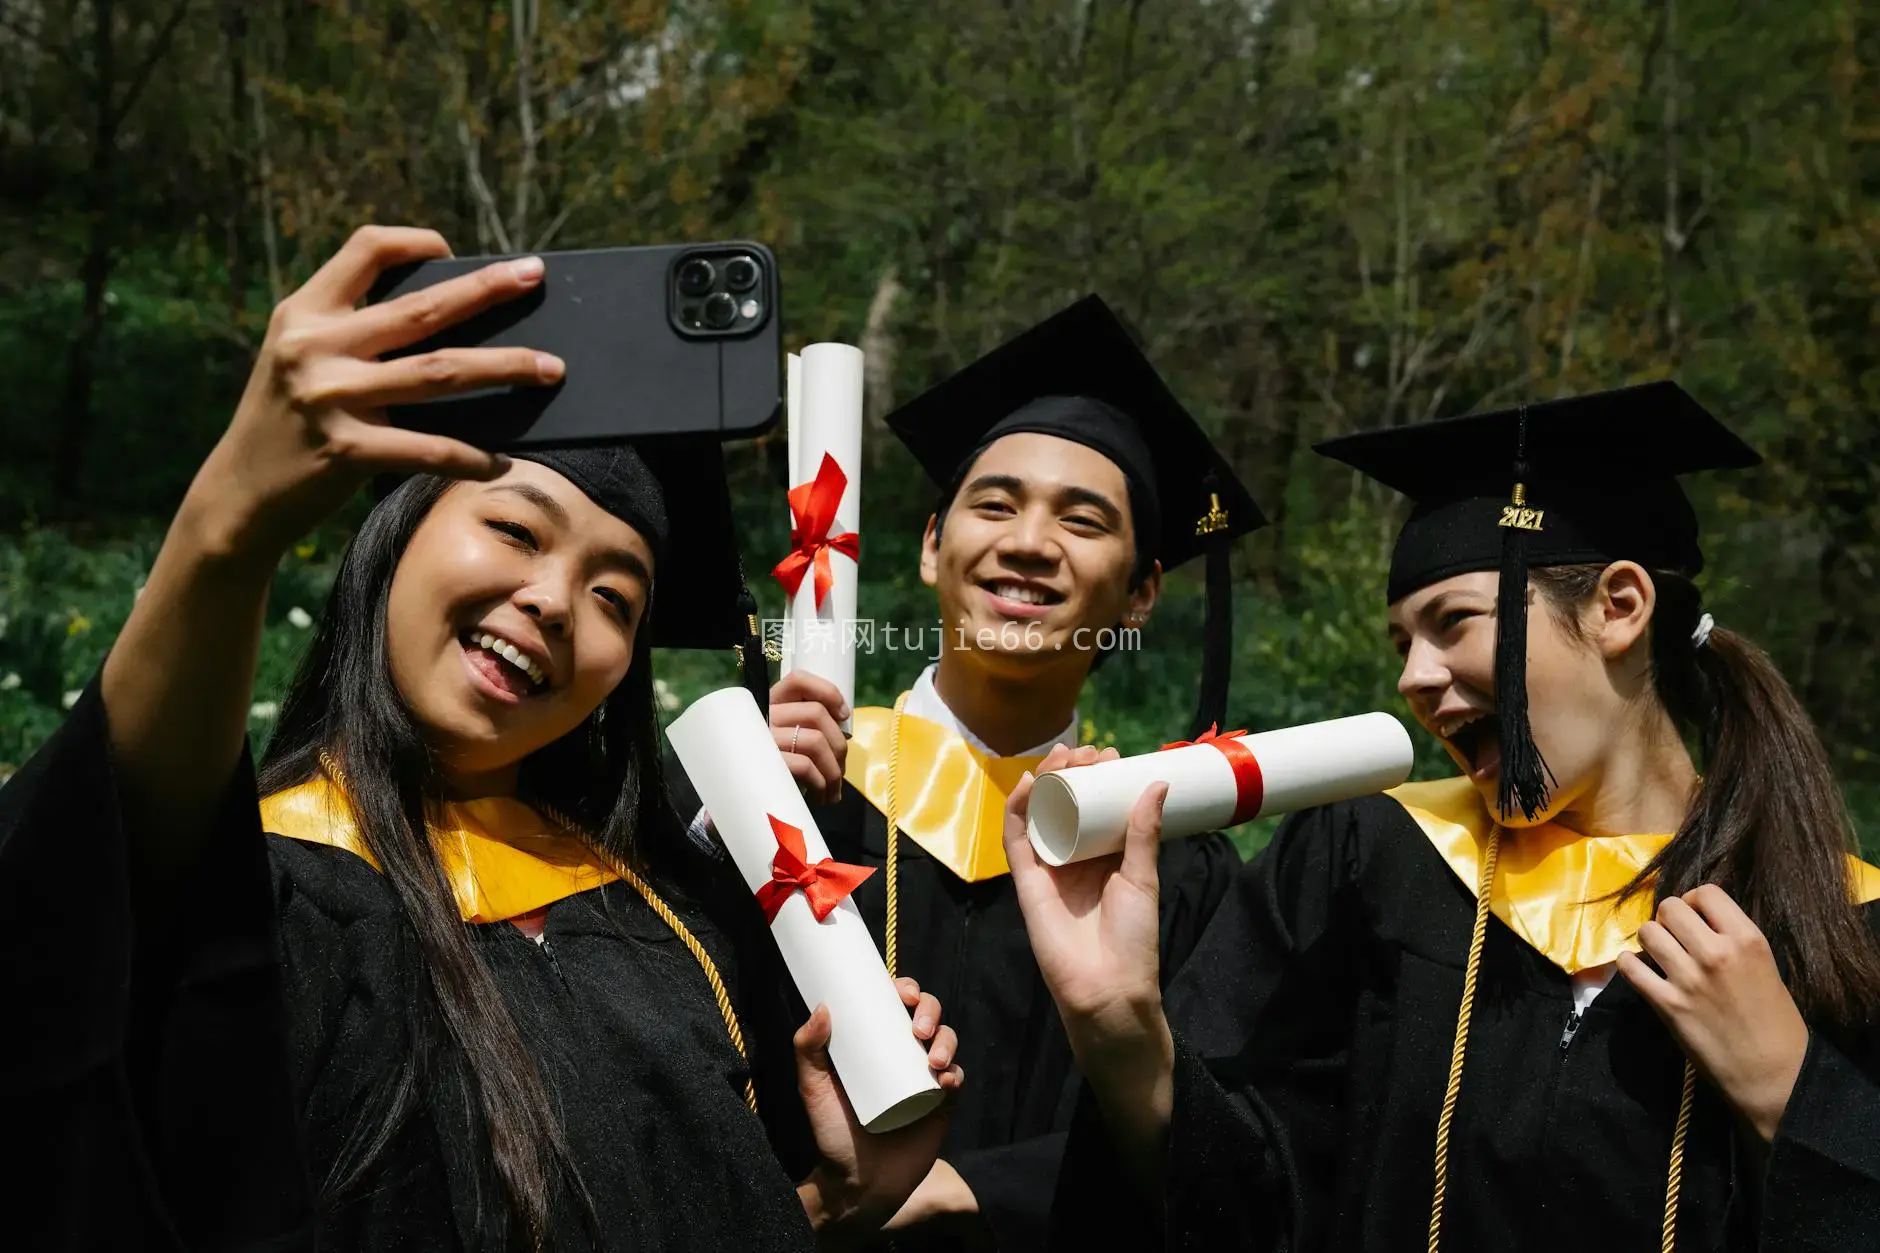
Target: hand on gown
<point>862,1178</point>
<point>1723,998</point>
<point>806,713</point>
<point>1094,924</point>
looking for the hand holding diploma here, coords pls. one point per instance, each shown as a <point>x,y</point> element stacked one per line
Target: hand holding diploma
<point>863,1178</point>
<point>1221,780</point>
<point>806,716</point>
<point>729,753</point>
<point>1094,929</point>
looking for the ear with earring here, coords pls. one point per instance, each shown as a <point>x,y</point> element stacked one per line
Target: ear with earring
<point>1137,618</point>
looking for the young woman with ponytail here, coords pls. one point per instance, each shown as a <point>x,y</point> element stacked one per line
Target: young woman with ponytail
<point>474,988</point>
<point>1404,1030</point>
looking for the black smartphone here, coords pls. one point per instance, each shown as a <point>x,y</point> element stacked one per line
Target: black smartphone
<point>674,339</point>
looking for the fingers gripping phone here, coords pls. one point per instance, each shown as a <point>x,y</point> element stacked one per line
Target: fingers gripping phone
<point>679,339</point>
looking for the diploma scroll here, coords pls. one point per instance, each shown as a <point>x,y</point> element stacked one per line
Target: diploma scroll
<point>825,465</point>
<point>1083,812</point>
<point>725,747</point>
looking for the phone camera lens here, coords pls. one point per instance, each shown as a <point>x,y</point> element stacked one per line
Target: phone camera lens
<point>695,277</point>
<point>741,274</point>
<point>720,311</point>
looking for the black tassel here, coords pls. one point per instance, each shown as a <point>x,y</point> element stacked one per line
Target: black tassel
<point>753,671</point>
<point>1217,640</point>
<point>1525,778</point>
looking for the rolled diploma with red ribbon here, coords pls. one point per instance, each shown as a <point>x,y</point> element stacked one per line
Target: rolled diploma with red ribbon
<point>725,747</point>
<point>828,420</point>
<point>1083,812</point>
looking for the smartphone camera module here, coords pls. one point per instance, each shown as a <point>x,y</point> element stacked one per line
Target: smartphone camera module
<point>697,277</point>
<point>720,311</point>
<point>741,274</point>
<point>720,292</point>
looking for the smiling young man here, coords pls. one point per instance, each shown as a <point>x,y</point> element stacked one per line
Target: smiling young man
<point>1069,480</point>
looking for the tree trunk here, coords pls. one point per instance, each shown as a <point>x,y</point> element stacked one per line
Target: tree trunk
<point>878,351</point>
<point>240,155</point>
<point>100,243</point>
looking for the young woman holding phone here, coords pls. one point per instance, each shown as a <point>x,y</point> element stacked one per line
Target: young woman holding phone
<point>474,988</point>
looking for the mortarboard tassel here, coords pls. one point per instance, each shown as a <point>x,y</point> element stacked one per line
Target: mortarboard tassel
<point>1217,635</point>
<point>752,670</point>
<point>1524,774</point>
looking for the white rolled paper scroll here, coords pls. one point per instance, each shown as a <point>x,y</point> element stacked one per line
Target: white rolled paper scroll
<point>725,747</point>
<point>1082,812</point>
<point>826,419</point>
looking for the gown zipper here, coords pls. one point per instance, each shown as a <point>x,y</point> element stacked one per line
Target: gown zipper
<point>1573,1028</point>
<point>553,964</point>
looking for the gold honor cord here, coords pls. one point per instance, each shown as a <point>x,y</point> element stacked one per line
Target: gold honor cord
<point>890,927</point>
<point>1477,939</point>
<point>1674,1181</point>
<point>658,905</point>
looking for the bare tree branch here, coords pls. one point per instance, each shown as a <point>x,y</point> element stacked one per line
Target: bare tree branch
<point>489,217</point>
<point>577,200</point>
<point>878,345</point>
<point>1581,266</point>
<point>265,195</point>
<point>524,15</point>
<point>60,52</point>
<point>140,77</point>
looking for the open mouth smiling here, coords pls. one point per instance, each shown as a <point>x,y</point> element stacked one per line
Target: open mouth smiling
<point>1475,735</point>
<point>1026,598</point>
<point>505,665</point>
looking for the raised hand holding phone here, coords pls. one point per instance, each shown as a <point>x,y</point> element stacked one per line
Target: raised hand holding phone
<point>311,426</point>
<point>309,430</point>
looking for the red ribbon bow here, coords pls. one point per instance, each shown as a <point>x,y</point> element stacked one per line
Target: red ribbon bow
<point>826,884</point>
<point>1249,783</point>
<point>812,513</point>
<point>1210,736</point>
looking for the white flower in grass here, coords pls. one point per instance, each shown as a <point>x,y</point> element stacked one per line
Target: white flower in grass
<point>10,681</point>
<point>299,618</point>
<point>266,710</point>
<point>667,698</point>
<point>70,698</point>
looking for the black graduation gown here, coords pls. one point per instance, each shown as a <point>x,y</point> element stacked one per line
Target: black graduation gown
<point>1314,1026</point>
<point>198,1088</point>
<point>966,943</point>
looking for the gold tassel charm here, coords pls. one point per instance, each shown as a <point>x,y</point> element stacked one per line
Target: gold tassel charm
<point>1215,519</point>
<point>1518,515</point>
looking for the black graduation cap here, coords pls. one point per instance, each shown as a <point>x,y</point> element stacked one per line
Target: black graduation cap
<point>1080,376</point>
<point>1580,480</point>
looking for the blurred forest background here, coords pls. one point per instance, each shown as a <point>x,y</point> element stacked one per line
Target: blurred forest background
<point>1321,214</point>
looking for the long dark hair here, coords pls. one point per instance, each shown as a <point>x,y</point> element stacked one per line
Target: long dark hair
<point>605,775</point>
<point>1768,823</point>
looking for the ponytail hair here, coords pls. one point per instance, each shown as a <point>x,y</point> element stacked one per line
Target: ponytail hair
<point>1768,823</point>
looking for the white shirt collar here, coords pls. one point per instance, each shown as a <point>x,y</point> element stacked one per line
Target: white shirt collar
<point>924,702</point>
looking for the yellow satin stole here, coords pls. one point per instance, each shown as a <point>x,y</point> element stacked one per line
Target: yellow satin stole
<point>1551,883</point>
<point>502,858</point>
<point>947,796</point>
